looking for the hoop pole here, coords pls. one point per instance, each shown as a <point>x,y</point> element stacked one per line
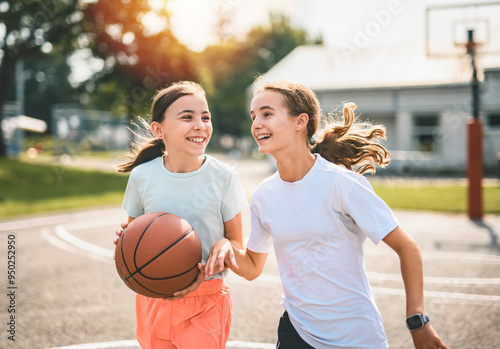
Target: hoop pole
<point>475,168</point>
<point>471,50</point>
<point>475,142</point>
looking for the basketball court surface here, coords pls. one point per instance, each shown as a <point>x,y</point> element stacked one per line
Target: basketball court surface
<point>68,293</point>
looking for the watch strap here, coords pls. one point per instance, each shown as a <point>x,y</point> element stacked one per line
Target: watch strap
<point>424,318</point>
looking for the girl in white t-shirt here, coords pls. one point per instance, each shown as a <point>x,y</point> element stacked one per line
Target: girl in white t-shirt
<point>171,173</point>
<point>317,212</point>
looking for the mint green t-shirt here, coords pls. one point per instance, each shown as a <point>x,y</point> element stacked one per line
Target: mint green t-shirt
<point>206,198</point>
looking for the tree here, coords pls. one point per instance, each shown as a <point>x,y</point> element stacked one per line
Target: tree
<point>140,52</point>
<point>137,58</point>
<point>31,29</point>
<point>231,66</point>
<point>46,83</point>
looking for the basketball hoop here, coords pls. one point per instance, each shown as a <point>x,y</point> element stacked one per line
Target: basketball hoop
<point>467,29</point>
<point>471,46</point>
<point>447,29</point>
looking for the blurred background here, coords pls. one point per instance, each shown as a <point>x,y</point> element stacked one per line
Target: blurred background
<point>75,74</point>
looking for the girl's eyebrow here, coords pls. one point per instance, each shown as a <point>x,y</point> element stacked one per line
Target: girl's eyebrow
<point>262,108</point>
<point>266,107</point>
<point>192,111</point>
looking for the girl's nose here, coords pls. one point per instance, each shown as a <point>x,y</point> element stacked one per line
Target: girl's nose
<point>256,124</point>
<point>199,125</point>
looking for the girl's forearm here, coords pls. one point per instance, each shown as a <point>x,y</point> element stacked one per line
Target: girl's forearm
<point>412,273</point>
<point>225,253</point>
<point>247,267</point>
<point>411,268</point>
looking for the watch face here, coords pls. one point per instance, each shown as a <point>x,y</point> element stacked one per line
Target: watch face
<point>415,321</point>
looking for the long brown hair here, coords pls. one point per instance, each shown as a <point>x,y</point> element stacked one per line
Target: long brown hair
<point>346,142</point>
<point>149,147</point>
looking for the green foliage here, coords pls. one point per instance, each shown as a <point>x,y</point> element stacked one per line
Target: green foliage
<point>35,28</point>
<point>229,68</point>
<point>28,188</point>
<point>46,84</point>
<point>31,30</point>
<point>138,61</point>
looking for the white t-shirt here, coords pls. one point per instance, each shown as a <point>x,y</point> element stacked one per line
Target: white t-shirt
<point>319,225</point>
<point>206,198</point>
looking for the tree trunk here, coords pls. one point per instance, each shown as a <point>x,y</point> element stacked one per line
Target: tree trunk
<point>7,72</point>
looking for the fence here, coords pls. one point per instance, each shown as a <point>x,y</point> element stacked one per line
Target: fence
<point>76,130</point>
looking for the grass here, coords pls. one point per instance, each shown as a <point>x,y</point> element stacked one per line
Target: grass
<point>27,188</point>
<point>32,188</point>
<point>436,197</point>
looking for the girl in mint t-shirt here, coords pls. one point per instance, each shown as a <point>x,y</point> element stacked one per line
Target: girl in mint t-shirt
<point>171,173</point>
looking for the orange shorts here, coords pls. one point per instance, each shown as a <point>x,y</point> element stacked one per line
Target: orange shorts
<point>201,319</point>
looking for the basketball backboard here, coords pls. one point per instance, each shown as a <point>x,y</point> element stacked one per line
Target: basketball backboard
<point>447,28</point>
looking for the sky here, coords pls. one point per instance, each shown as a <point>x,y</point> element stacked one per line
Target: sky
<point>342,23</point>
<point>345,24</point>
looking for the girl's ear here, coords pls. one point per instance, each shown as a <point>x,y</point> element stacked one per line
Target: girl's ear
<point>156,129</point>
<point>301,121</point>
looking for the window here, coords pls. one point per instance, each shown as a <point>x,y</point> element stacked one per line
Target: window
<point>425,133</point>
<point>493,120</point>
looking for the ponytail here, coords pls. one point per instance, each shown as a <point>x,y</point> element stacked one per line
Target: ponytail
<point>146,152</point>
<point>352,144</point>
<point>349,144</point>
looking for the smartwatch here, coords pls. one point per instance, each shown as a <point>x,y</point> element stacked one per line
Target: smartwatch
<point>416,321</point>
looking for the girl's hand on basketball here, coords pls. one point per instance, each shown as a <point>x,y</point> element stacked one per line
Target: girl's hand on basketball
<point>119,232</point>
<point>192,287</point>
<point>220,255</point>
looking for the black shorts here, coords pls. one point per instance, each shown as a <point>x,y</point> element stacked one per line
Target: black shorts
<point>288,338</point>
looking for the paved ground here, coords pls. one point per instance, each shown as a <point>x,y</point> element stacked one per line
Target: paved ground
<point>68,293</point>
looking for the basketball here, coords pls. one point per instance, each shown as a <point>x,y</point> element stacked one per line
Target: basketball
<point>157,254</point>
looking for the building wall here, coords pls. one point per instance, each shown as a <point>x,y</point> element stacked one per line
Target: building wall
<point>491,107</point>
<point>399,108</point>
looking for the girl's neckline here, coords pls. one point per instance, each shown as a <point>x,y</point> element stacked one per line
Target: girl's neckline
<point>161,162</point>
<point>306,177</point>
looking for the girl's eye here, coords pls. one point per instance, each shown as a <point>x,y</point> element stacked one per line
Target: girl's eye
<point>267,114</point>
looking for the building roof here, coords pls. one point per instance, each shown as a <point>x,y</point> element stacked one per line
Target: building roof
<point>324,68</point>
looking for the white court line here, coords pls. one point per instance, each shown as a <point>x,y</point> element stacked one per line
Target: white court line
<point>397,277</point>
<point>58,242</point>
<point>437,294</point>
<point>95,223</point>
<point>61,218</point>
<point>390,291</point>
<point>75,222</point>
<point>69,242</point>
<point>250,345</point>
<point>103,252</point>
<point>474,257</point>
<point>135,344</point>
<point>103,345</point>
<point>436,279</point>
